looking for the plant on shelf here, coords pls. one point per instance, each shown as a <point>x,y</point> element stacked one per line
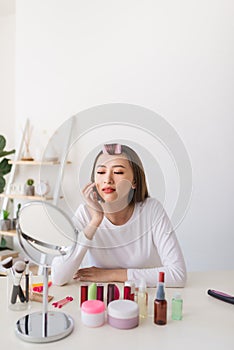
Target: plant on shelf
<point>14,220</point>
<point>30,188</point>
<point>5,167</point>
<point>5,222</point>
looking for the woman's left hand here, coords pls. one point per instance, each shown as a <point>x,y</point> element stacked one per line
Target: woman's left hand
<point>95,274</point>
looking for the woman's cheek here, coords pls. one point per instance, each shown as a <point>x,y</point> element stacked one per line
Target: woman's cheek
<point>123,187</point>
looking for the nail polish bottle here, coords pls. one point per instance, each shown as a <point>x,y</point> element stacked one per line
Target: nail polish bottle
<point>142,299</point>
<point>129,290</point>
<point>160,303</point>
<point>176,307</point>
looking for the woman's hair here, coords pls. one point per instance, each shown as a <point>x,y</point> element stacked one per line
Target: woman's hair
<point>140,193</point>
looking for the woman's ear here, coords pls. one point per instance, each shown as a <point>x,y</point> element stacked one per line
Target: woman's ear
<point>133,184</point>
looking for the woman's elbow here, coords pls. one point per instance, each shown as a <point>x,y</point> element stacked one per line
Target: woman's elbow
<point>181,278</point>
<point>58,279</point>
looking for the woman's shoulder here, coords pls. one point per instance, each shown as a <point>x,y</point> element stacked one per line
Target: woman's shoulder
<point>81,216</point>
<point>151,204</point>
<point>81,209</point>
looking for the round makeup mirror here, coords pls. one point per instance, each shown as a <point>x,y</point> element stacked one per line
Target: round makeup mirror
<point>44,232</point>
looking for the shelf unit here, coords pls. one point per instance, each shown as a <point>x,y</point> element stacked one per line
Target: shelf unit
<point>33,162</point>
<point>10,233</point>
<point>22,196</point>
<point>60,163</point>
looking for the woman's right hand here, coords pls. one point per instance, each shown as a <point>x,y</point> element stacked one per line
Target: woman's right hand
<point>94,207</point>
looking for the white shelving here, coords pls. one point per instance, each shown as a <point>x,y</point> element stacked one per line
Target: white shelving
<point>59,163</point>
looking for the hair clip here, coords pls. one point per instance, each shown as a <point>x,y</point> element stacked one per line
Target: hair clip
<point>114,148</point>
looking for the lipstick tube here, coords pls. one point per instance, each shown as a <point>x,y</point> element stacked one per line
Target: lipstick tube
<point>83,293</point>
<point>110,293</point>
<point>100,292</point>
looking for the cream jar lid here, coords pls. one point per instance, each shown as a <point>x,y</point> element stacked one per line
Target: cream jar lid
<point>93,306</point>
<point>123,309</point>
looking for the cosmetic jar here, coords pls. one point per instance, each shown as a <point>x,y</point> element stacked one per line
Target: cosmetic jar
<point>93,313</point>
<point>123,314</point>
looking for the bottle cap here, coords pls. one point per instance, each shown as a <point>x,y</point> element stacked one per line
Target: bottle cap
<point>161,276</point>
<point>177,295</point>
<point>142,286</point>
<point>130,284</point>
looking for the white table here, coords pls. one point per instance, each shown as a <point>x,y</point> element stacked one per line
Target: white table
<point>207,322</point>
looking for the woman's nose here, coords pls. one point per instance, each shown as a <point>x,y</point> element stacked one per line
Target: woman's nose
<point>108,179</point>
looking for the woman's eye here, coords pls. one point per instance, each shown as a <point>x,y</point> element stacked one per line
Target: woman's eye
<point>100,172</point>
<point>118,172</point>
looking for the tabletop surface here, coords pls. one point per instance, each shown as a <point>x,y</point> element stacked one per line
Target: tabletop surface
<point>207,323</point>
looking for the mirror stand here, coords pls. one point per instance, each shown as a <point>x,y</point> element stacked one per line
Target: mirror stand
<point>41,247</point>
<point>45,326</point>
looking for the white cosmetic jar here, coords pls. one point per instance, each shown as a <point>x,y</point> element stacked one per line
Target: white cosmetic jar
<point>93,313</point>
<point>123,314</point>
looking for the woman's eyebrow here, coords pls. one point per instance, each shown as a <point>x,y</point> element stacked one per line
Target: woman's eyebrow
<point>118,166</point>
<point>113,166</point>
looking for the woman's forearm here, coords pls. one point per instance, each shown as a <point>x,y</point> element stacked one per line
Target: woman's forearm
<point>95,274</point>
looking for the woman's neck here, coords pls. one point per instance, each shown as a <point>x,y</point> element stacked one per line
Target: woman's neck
<point>118,217</point>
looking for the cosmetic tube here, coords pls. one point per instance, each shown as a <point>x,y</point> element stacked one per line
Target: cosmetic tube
<point>100,292</point>
<point>176,307</point>
<point>110,293</point>
<point>83,293</point>
<point>160,303</point>
<point>142,299</point>
<point>92,291</point>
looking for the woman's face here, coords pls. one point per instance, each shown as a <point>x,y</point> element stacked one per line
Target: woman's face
<point>113,177</point>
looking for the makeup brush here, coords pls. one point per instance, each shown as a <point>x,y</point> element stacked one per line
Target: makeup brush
<point>7,264</point>
<point>19,268</point>
<point>26,280</point>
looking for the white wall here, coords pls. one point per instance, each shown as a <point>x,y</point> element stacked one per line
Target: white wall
<point>7,71</point>
<point>174,58</point>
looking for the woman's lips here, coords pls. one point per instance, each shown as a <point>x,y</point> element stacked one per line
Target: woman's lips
<point>108,190</point>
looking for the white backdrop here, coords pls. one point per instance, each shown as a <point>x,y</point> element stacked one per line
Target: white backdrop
<point>174,58</point>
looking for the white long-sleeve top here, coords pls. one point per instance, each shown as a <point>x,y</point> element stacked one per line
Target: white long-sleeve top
<point>144,245</point>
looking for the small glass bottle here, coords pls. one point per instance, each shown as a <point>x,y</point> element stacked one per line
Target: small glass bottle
<point>160,303</point>
<point>142,299</point>
<point>129,290</point>
<point>177,307</point>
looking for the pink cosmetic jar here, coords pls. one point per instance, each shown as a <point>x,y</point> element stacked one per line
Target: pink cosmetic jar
<point>123,314</point>
<point>93,313</point>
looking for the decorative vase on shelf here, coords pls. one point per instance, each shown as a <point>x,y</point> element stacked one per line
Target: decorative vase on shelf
<point>30,188</point>
<point>5,222</point>
<point>27,156</point>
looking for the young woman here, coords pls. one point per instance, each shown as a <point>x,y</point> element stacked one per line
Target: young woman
<point>123,233</point>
